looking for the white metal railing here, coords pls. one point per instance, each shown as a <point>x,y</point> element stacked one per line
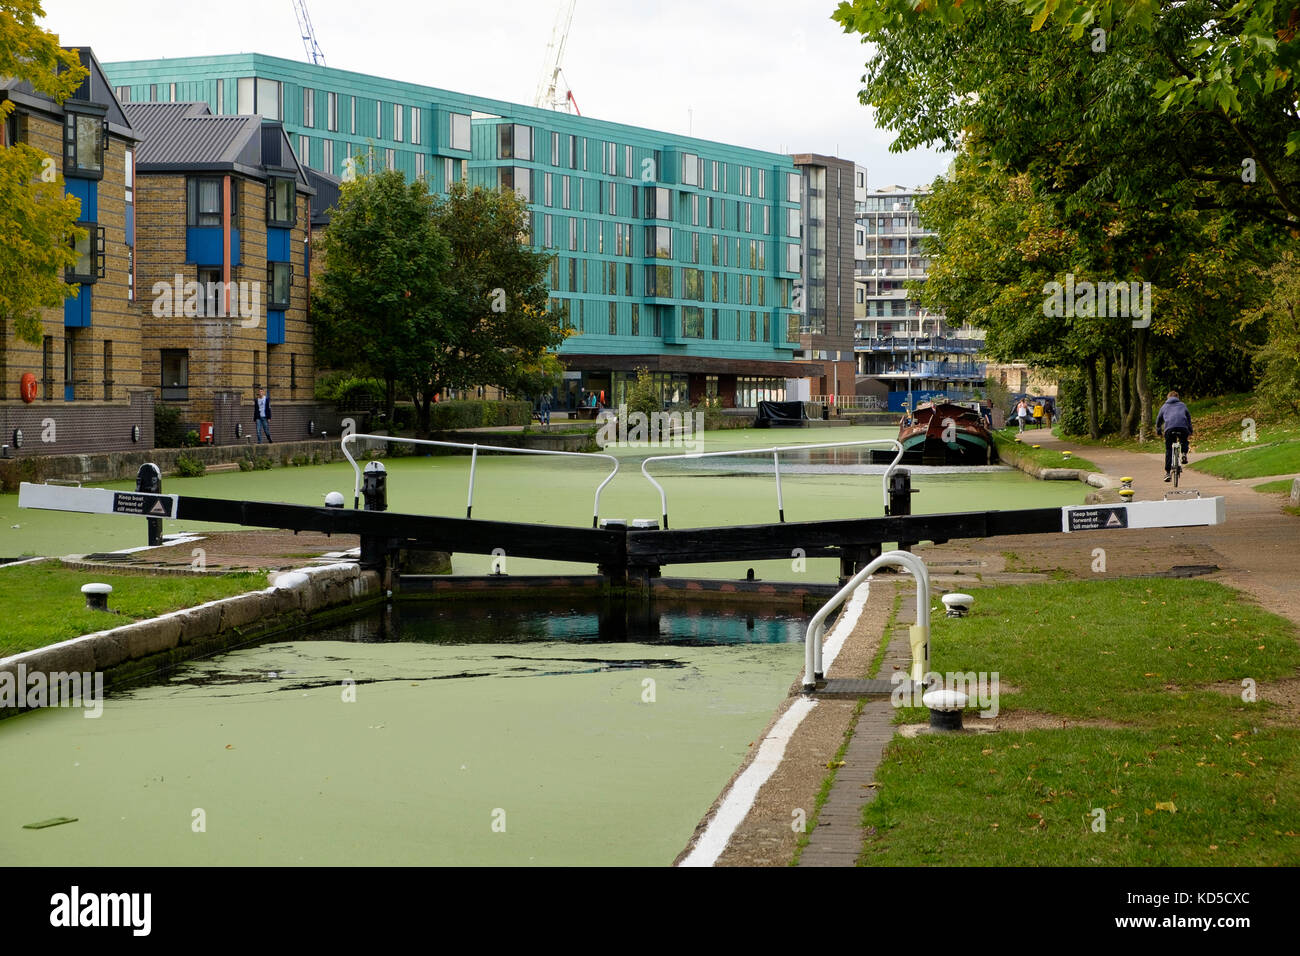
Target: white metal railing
<point>775,452</point>
<point>920,631</point>
<point>473,461</point>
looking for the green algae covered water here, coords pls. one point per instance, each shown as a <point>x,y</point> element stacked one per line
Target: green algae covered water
<point>555,737</point>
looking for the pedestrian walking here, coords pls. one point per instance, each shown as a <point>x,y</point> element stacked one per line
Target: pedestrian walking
<point>262,416</point>
<point>1022,413</point>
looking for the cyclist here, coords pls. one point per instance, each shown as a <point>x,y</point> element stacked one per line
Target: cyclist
<point>1176,422</point>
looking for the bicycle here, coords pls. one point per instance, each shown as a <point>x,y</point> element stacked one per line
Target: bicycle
<point>1176,452</point>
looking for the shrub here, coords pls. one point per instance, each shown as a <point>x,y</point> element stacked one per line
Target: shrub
<point>644,395</point>
<point>191,439</point>
<point>188,466</point>
<point>245,464</point>
<point>1072,405</point>
<point>167,429</point>
<point>478,413</point>
<point>17,470</point>
<point>262,463</point>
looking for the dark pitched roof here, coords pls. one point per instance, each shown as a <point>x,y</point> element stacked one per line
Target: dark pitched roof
<point>94,89</point>
<point>188,137</point>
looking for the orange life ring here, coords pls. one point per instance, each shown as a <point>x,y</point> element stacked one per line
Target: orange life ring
<point>27,387</point>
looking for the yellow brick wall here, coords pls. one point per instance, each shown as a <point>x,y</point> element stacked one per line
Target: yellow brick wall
<point>113,317</point>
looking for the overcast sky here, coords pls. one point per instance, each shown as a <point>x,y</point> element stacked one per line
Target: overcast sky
<point>770,74</point>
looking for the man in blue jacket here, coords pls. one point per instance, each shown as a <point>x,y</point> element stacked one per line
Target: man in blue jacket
<point>1176,422</point>
<point>262,416</point>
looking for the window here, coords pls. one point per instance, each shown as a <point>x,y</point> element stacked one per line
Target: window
<point>304,150</point>
<point>690,169</point>
<point>518,177</point>
<point>792,258</point>
<point>713,282</point>
<point>212,303</point>
<point>308,107</point>
<point>327,156</point>
<point>514,141</point>
<point>565,198</point>
<point>281,210</point>
<point>108,370</point>
<point>293,373</point>
<point>767,220</point>
<point>390,158</point>
<point>90,255</point>
<point>399,115</point>
<point>84,138</point>
<point>692,323</point>
<point>555,149</point>
<point>659,203</point>
<point>792,223</point>
<point>636,319</point>
<point>459,131</point>
<point>279,280</point>
<point>695,210</point>
<point>221,97</point>
<point>379,118</point>
<point>659,242</point>
<point>573,236</point>
<point>332,111</point>
<point>203,206</point>
<point>747,290</point>
<point>753,326</point>
<point>573,152</point>
<point>627,161</point>
<point>762,183</point>
<point>548,192</point>
<point>153,92</point>
<point>352,122</point>
<point>749,181</point>
<point>270,99</point>
<point>659,281</point>
<point>693,284</point>
<point>715,175</point>
<point>175,375</point>
<point>419,165</point>
<point>548,223</point>
<point>749,217</point>
<point>417,123</point>
<point>123,94</point>
<point>171,93</point>
<point>613,319</point>
<point>792,187</point>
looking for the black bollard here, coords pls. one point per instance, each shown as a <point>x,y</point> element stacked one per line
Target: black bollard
<point>374,491</point>
<point>149,480</point>
<point>900,499</point>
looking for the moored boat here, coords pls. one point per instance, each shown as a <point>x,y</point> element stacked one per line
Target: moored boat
<point>945,433</point>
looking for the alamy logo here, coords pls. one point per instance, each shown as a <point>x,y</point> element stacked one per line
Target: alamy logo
<point>1128,300</point>
<point>210,300</point>
<point>637,429</point>
<point>55,689</point>
<point>981,689</point>
<point>75,908</point>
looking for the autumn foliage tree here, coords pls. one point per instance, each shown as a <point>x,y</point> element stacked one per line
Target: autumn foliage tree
<point>37,220</point>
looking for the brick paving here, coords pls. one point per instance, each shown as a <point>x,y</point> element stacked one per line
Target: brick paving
<point>837,838</point>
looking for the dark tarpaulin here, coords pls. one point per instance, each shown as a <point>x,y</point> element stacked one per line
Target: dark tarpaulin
<point>779,413</point>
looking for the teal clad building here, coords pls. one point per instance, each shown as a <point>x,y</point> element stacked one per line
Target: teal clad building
<point>674,254</point>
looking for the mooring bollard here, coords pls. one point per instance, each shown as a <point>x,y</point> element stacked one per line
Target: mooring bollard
<point>97,596</point>
<point>149,481</point>
<point>374,492</point>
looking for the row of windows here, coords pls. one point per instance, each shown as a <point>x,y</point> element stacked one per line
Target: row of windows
<point>591,235</point>
<point>665,282</point>
<point>691,322</point>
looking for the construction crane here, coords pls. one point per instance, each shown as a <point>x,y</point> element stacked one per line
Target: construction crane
<point>548,87</point>
<point>308,34</point>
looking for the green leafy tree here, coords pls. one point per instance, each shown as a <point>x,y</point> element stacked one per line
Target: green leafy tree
<point>497,319</point>
<point>379,302</point>
<point>538,376</point>
<point>37,220</point>
<point>1278,359</point>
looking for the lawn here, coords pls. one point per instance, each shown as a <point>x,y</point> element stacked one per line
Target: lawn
<point>45,604</point>
<point>1280,487</point>
<point>1185,775</point>
<point>1222,422</point>
<point>1279,459</point>
<point>1009,450</point>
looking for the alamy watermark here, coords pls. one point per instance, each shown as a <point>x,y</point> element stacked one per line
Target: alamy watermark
<point>981,689</point>
<point>1127,300</point>
<point>626,429</point>
<point>32,689</point>
<point>208,300</point>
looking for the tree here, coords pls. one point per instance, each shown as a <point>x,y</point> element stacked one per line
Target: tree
<point>37,220</point>
<point>497,318</point>
<point>1279,358</point>
<point>379,303</point>
<point>538,376</point>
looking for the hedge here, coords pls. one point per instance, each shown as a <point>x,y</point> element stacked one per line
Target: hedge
<point>478,413</point>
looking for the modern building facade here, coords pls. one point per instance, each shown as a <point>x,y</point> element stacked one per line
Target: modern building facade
<point>900,347</point>
<point>827,269</point>
<point>672,254</point>
<point>88,393</point>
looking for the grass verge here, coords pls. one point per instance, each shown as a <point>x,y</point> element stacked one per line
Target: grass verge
<point>1182,774</point>
<point>46,605</point>
<point>1012,452</point>
<point>1280,459</point>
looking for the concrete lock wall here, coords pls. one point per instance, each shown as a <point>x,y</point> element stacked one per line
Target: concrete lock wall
<point>139,649</point>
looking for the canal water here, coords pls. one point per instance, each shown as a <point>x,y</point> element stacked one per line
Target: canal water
<point>427,736</point>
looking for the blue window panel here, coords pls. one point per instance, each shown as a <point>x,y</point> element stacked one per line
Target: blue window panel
<point>76,309</point>
<point>130,224</point>
<point>87,191</point>
<point>277,245</point>
<point>203,246</point>
<point>69,393</point>
<point>274,327</point>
